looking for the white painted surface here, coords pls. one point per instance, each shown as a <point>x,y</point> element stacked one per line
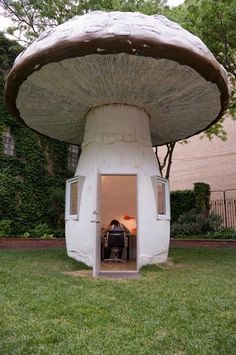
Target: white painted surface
<point>96,221</point>
<point>177,99</point>
<point>118,150</point>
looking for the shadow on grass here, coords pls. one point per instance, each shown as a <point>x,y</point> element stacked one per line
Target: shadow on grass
<point>150,268</point>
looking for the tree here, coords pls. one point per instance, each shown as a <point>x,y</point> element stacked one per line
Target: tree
<point>214,22</point>
<point>8,52</point>
<point>31,17</point>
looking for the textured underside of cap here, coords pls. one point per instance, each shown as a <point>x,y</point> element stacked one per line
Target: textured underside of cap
<point>177,99</point>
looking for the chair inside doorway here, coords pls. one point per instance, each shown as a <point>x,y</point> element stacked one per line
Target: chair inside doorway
<point>115,246</point>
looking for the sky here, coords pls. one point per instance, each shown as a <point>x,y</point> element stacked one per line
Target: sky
<point>174,2</point>
<point>5,22</point>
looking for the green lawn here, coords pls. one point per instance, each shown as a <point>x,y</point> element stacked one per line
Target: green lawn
<point>187,307</point>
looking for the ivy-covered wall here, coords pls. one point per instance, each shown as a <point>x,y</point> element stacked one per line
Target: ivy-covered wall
<point>32,182</point>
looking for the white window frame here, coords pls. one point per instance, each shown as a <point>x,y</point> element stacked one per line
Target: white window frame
<point>155,181</point>
<point>69,182</point>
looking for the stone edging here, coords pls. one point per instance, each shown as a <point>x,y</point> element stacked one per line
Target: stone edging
<point>31,243</point>
<point>206,243</point>
<point>37,243</point>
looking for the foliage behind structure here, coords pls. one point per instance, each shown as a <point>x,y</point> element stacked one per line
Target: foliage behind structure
<point>33,179</point>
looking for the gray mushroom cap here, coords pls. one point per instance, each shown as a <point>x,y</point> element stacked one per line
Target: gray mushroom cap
<point>126,58</point>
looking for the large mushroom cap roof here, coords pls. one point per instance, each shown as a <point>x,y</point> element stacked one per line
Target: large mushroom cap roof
<point>126,58</point>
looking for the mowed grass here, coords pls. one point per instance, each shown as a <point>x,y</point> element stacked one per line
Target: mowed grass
<point>185,307</point>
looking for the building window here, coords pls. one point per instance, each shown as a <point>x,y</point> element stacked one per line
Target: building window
<point>162,197</point>
<point>73,156</point>
<point>73,198</point>
<point>8,142</point>
<point>74,188</point>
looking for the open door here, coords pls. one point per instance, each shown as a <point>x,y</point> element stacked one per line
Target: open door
<point>118,201</point>
<point>97,225</point>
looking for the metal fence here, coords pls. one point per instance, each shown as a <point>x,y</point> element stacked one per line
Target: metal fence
<point>225,207</point>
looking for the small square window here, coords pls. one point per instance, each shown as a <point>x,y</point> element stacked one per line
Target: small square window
<point>73,198</point>
<point>8,142</point>
<point>162,197</point>
<point>73,156</point>
<point>73,195</point>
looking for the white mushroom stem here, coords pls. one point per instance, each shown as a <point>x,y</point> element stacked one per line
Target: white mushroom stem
<point>117,136</point>
<point>117,142</point>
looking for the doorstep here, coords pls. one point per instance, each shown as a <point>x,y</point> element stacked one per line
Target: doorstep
<point>121,275</point>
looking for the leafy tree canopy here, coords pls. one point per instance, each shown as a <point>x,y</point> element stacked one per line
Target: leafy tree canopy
<point>31,17</point>
<point>8,51</point>
<point>214,22</point>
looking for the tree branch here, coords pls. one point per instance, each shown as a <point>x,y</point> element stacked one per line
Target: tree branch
<point>170,154</point>
<point>167,160</point>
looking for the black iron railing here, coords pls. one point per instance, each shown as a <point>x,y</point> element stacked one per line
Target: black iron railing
<point>225,207</point>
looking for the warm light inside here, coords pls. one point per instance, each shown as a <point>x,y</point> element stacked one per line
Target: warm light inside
<point>119,200</point>
<point>161,204</point>
<point>74,198</point>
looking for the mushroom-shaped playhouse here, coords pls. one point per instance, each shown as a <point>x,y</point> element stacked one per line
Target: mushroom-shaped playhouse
<point>118,84</point>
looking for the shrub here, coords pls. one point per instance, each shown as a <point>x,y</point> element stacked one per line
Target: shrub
<point>181,202</point>
<point>213,223</point>
<point>223,234</point>
<point>202,198</point>
<point>41,230</point>
<point>59,233</point>
<point>5,227</point>
<point>48,236</point>
<point>192,223</point>
<point>26,235</point>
